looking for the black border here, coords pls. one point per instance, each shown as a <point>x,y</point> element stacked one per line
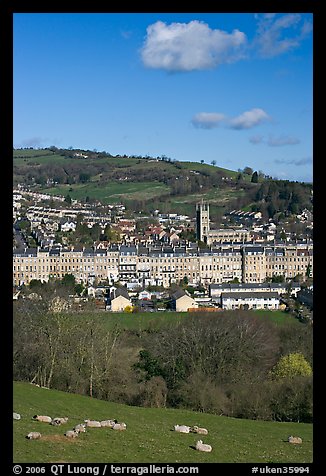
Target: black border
<point>7,10</point>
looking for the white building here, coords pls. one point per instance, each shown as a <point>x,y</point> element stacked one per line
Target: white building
<point>259,300</point>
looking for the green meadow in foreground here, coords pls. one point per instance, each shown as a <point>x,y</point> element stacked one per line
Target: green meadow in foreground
<point>149,437</point>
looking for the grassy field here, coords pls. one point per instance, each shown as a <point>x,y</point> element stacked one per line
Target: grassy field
<point>149,437</point>
<point>142,321</point>
<point>278,317</point>
<point>113,192</point>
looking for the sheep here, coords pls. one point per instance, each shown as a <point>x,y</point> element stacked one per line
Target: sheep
<point>59,421</point>
<point>200,446</point>
<point>55,423</point>
<point>295,439</point>
<point>108,423</point>
<point>71,434</point>
<point>43,418</point>
<point>182,428</point>
<point>119,426</point>
<point>80,428</point>
<point>16,416</point>
<point>201,431</point>
<point>33,435</point>
<point>93,423</point>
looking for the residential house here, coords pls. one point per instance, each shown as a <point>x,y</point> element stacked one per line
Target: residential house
<point>259,300</point>
<point>145,295</point>
<point>68,225</point>
<point>182,301</point>
<point>306,297</point>
<point>215,290</point>
<point>119,300</point>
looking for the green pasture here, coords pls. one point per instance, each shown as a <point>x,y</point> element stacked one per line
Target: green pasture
<point>143,321</point>
<point>150,435</point>
<point>113,192</point>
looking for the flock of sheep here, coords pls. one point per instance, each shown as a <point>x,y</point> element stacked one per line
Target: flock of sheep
<point>115,425</point>
<point>80,428</point>
<point>200,446</point>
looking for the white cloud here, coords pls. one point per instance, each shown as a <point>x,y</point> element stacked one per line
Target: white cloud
<point>249,119</point>
<point>207,120</point>
<point>246,120</point>
<point>273,141</point>
<point>303,161</point>
<point>190,46</point>
<point>282,140</point>
<point>271,41</point>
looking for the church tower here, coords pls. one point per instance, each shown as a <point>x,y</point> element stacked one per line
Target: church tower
<point>202,221</point>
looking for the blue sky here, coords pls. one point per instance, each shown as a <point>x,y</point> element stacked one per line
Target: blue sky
<point>235,88</point>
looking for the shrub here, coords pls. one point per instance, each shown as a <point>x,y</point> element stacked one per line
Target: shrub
<point>291,365</point>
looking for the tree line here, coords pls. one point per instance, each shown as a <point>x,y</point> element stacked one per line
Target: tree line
<point>231,363</point>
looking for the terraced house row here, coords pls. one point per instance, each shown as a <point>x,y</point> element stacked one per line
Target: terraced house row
<point>165,265</point>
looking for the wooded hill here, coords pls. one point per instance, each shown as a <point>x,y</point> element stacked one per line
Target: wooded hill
<point>149,183</point>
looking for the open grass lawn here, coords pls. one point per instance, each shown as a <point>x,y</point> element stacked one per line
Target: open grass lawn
<point>149,437</point>
<point>278,317</point>
<point>141,321</point>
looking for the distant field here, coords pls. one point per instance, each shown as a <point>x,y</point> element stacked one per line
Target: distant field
<point>214,196</point>
<point>141,321</point>
<point>149,437</point>
<point>208,167</point>
<point>43,155</point>
<point>278,317</point>
<point>113,192</point>
<point>28,153</point>
<point>40,159</point>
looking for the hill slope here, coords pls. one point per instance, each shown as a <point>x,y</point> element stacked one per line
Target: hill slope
<point>146,183</point>
<point>141,182</point>
<point>149,437</point>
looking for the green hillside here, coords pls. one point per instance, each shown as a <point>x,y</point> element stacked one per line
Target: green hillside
<point>141,182</point>
<point>149,437</point>
<point>148,183</point>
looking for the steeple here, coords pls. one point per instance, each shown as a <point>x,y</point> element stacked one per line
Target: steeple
<point>202,220</point>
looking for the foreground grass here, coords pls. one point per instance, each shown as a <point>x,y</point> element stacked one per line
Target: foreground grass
<point>149,437</point>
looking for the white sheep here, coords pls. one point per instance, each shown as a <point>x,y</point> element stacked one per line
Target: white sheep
<point>33,435</point>
<point>16,416</point>
<point>119,426</point>
<point>200,446</point>
<point>295,440</point>
<point>80,428</point>
<point>71,434</point>
<point>201,431</point>
<point>43,418</point>
<point>59,421</point>
<point>182,428</point>
<point>108,423</point>
<point>93,423</point>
